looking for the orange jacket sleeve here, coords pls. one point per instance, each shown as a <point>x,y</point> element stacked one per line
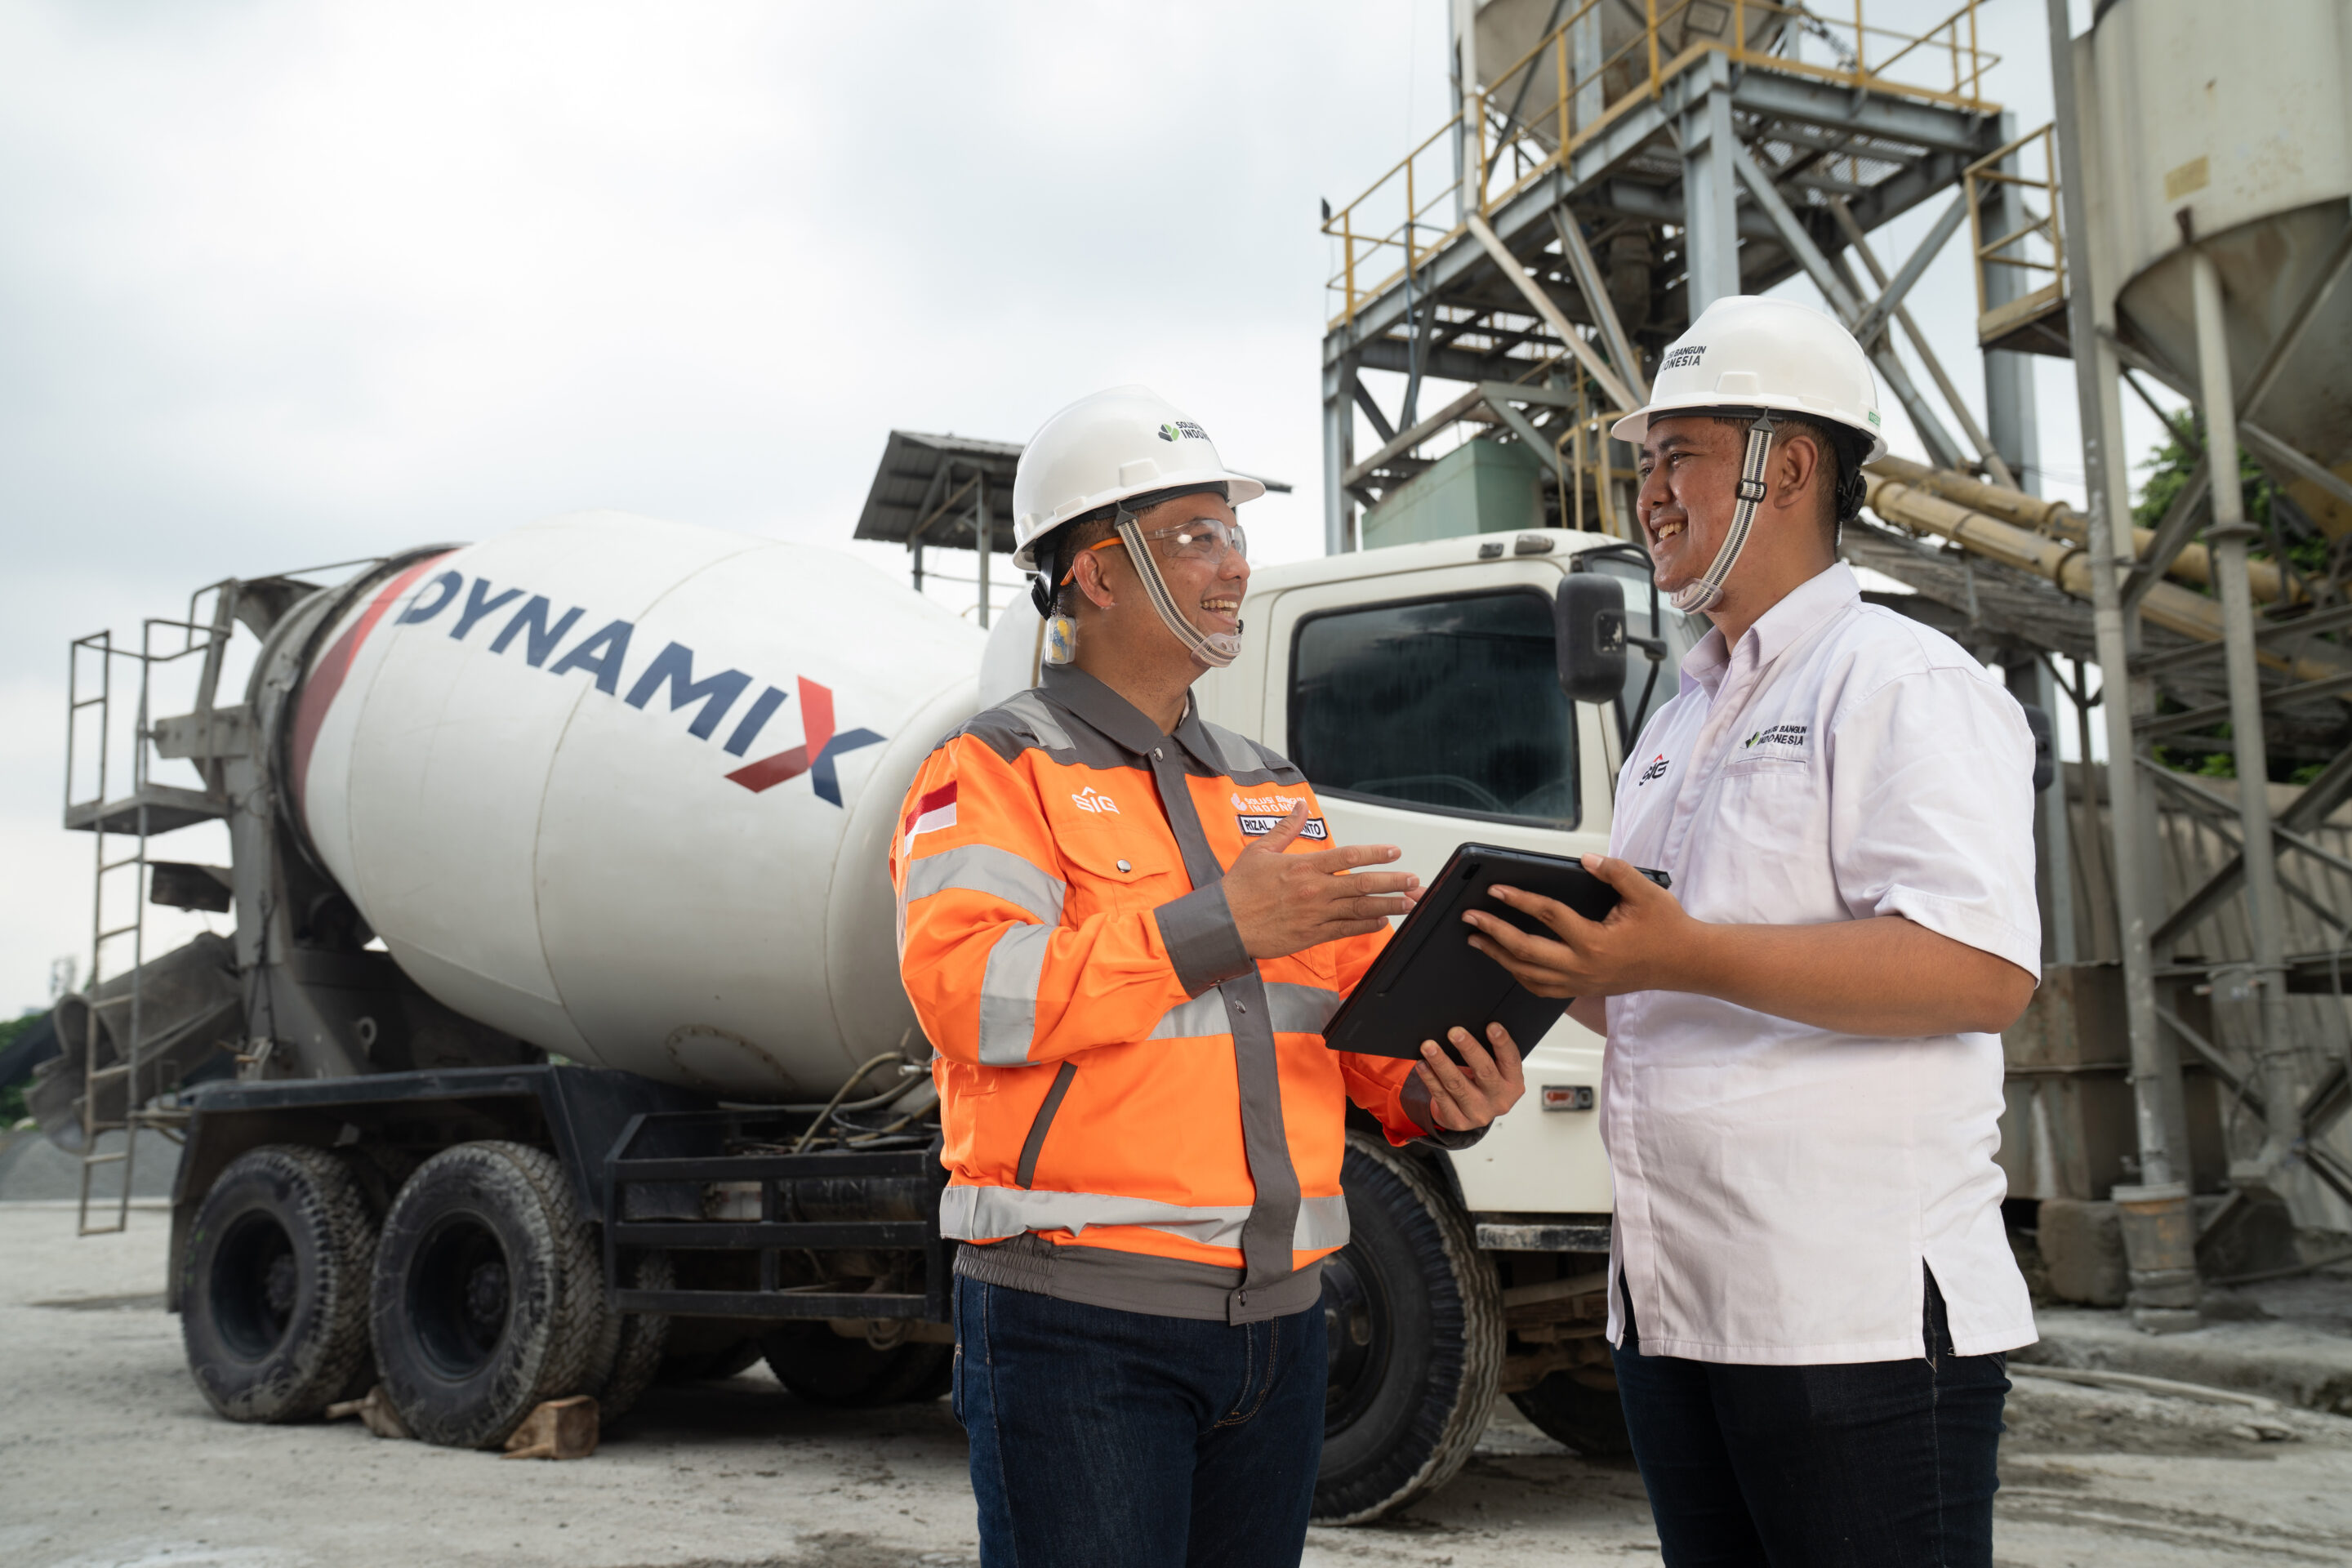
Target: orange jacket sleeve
<point>999,971</point>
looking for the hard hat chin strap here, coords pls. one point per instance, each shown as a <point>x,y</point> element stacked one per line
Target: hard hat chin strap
<point>1706,592</point>
<point>1216,651</point>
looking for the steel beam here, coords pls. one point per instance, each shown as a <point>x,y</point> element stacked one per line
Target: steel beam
<point>1620,396</point>
<point>1843,299</point>
<point>1380,421</point>
<point>2181,520</point>
<point>2158,1167</point>
<point>1711,152</point>
<point>1875,315</point>
<point>1986,450</point>
<point>2229,535</point>
<point>1339,455</point>
<point>1597,302</point>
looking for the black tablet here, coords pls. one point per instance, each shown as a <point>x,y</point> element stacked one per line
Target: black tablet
<point>1429,979</point>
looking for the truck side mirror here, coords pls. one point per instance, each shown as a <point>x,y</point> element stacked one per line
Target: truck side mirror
<point>1588,622</point>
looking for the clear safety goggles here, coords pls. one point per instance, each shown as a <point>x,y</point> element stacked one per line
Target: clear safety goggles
<point>1203,539</point>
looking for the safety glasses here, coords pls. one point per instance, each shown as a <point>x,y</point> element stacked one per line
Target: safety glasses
<point>1203,539</point>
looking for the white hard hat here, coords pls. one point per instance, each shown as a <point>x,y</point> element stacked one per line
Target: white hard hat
<point>1748,351</point>
<point>1111,447</point>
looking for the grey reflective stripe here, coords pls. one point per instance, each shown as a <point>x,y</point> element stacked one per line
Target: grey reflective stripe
<point>1031,709</point>
<point>1008,995</point>
<point>990,1214</point>
<point>1300,1009</point>
<point>985,869</point>
<point>1296,1010</point>
<point>1240,757</point>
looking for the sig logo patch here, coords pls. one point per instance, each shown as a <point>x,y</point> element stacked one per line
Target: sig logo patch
<point>1099,804</point>
<point>1656,770</point>
<point>1181,430</point>
<point>1685,357</point>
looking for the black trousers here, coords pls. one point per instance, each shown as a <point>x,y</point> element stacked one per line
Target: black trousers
<point>1869,1464</point>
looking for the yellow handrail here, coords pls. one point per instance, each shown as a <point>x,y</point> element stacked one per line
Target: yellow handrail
<point>1647,62</point>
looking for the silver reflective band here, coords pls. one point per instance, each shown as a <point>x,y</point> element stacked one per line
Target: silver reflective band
<point>985,869</point>
<point>992,1214</point>
<point>1008,995</point>
<point>1217,651</point>
<point>1296,1009</point>
<point>1698,597</point>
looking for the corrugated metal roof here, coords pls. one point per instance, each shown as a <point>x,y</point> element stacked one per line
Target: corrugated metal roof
<point>929,480</point>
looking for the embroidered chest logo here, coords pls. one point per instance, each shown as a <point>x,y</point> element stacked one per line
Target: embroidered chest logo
<point>1782,740</point>
<point>1260,814</point>
<point>1656,770</point>
<point>1100,804</point>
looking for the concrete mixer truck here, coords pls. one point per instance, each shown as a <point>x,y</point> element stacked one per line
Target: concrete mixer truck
<point>568,1044</point>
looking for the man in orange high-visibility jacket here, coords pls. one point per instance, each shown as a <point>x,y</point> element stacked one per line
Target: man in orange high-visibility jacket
<point>1123,929</point>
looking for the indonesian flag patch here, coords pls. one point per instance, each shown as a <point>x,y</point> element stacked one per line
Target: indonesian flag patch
<point>932,812</point>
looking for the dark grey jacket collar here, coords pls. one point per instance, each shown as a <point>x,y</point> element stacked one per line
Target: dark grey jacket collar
<point>1122,721</point>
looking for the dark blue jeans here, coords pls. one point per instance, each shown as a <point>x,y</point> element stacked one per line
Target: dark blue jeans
<point>1866,1464</point>
<point>1100,1437</point>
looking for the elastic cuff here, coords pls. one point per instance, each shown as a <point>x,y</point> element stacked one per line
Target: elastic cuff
<point>1202,942</point>
<point>1415,1098</point>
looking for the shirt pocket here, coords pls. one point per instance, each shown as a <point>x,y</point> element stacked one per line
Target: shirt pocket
<point>1767,820</point>
<point>1121,870</point>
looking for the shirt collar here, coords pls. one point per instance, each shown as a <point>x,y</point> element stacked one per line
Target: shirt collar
<point>1805,608</point>
<point>1122,721</point>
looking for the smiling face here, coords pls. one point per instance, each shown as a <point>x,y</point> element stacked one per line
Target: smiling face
<point>1690,487</point>
<point>1207,586</point>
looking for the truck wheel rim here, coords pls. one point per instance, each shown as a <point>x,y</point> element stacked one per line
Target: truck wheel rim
<point>1358,1323</point>
<point>254,1284</point>
<point>459,1296</point>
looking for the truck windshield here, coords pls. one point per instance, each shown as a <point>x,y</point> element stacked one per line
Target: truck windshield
<point>1446,704</point>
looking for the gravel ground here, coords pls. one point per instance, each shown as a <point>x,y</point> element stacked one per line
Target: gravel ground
<point>109,1458</point>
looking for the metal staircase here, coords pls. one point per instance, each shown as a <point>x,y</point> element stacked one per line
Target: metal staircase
<point>115,1086</point>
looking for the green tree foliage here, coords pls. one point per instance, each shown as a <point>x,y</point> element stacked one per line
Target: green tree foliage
<point>11,1097</point>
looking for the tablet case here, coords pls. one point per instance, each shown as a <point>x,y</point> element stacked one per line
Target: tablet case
<point>1429,979</point>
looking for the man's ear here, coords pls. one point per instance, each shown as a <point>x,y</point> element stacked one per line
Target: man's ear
<point>1796,462</point>
<point>1091,581</point>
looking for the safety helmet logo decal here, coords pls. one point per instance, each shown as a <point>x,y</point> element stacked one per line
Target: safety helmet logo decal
<point>1183,429</point>
<point>1684,356</point>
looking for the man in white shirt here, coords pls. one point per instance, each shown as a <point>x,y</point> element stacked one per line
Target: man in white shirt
<point>1811,1290</point>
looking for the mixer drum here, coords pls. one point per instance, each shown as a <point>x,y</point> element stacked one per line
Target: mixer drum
<point>625,789</point>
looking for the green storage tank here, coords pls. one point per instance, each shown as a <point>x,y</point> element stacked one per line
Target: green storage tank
<point>1481,487</point>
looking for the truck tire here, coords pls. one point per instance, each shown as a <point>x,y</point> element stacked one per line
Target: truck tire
<point>1415,1320</point>
<point>823,1368</point>
<point>1587,1420</point>
<point>489,1294</point>
<point>276,1285</point>
<point>638,1341</point>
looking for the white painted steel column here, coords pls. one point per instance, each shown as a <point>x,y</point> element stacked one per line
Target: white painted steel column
<point>2266,915</point>
<point>2159,1235</point>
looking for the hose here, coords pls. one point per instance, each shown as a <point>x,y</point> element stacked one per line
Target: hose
<point>841,1094</point>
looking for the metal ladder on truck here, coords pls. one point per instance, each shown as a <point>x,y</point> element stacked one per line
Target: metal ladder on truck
<point>148,809</point>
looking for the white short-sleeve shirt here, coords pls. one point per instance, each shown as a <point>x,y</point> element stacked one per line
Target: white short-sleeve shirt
<point>1780,1187</point>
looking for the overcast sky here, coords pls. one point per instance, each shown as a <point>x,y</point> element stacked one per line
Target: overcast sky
<point>288,283</point>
